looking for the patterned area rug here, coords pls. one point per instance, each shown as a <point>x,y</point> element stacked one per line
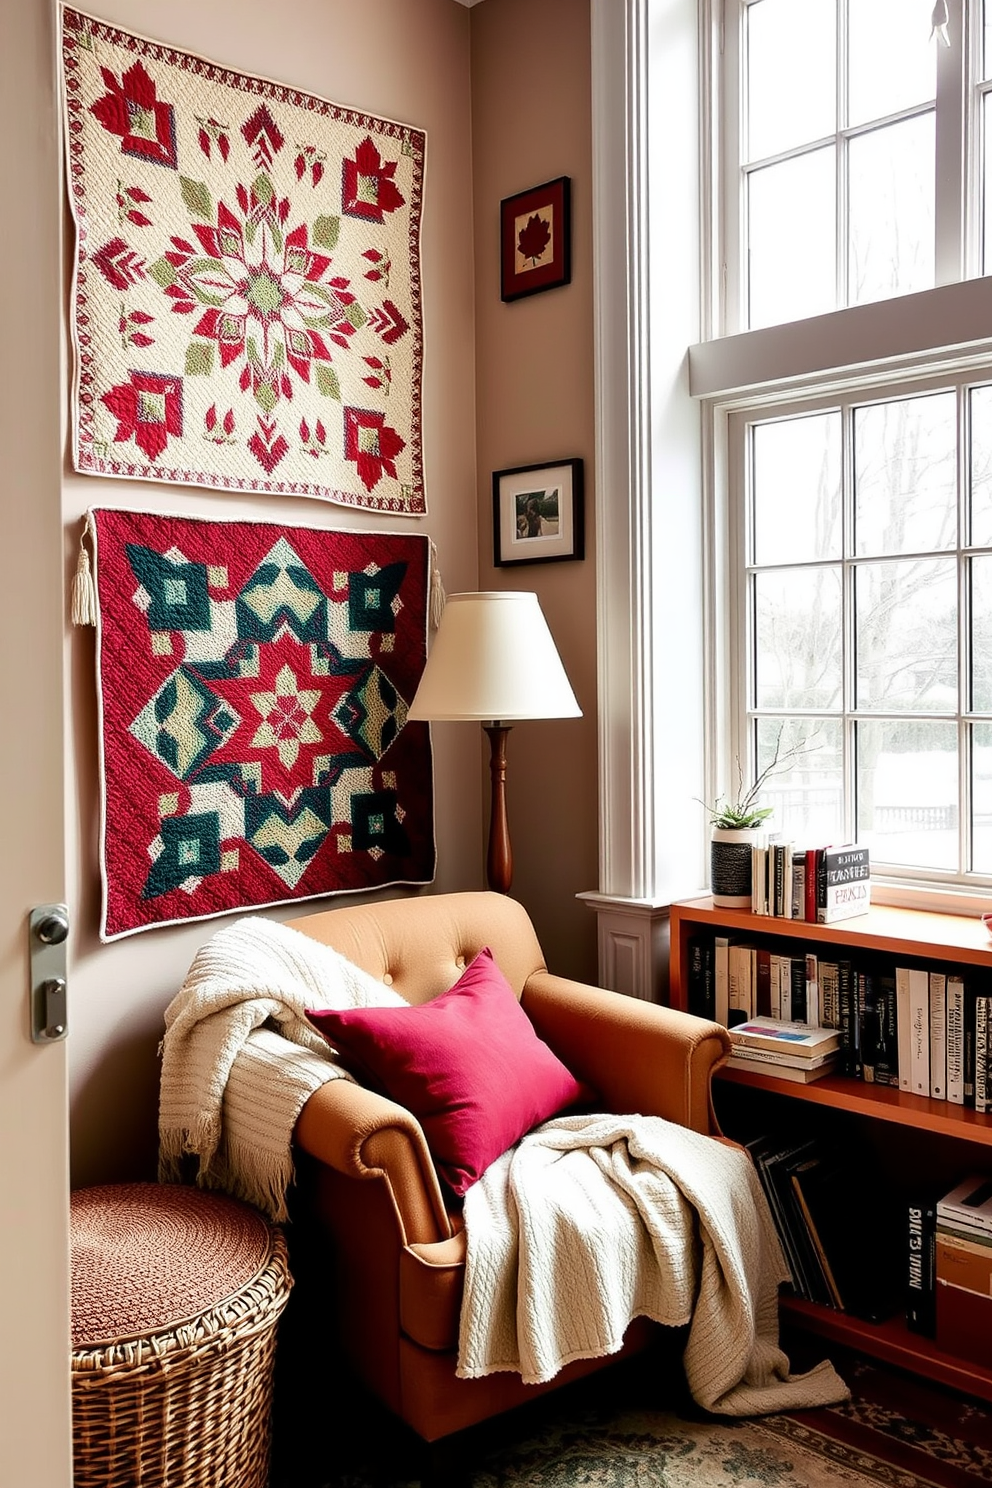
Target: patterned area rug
<point>254,684</point>
<point>246,296</point>
<point>896,1432</point>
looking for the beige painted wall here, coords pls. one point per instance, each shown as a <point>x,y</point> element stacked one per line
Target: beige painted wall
<point>534,391</point>
<point>407,60</point>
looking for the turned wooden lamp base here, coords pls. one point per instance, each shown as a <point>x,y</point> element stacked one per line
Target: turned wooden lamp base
<point>499,859</point>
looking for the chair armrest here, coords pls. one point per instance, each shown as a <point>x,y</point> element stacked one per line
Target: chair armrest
<point>639,1057</point>
<point>363,1135</point>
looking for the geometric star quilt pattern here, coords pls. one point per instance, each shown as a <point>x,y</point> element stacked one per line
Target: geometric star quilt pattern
<point>254,682</point>
<point>246,309</point>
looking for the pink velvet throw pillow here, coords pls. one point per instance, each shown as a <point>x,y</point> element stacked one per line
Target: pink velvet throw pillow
<point>469,1066</point>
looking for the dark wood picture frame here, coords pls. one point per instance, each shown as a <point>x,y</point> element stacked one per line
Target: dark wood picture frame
<point>536,239</point>
<point>538,513</point>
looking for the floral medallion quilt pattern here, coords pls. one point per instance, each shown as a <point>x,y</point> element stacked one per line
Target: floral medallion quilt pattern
<point>246,293</point>
<point>254,681</point>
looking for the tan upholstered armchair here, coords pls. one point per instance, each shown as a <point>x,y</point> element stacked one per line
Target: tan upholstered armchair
<point>367,1179</point>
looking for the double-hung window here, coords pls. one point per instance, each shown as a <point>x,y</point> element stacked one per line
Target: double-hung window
<point>848,389</point>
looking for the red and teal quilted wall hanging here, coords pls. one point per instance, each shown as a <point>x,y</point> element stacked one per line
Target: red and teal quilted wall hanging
<point>254,681</point>
<point>246,293</point>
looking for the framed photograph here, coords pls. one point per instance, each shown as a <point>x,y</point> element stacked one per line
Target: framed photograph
<point>535,239</point>
<point>537,513</point>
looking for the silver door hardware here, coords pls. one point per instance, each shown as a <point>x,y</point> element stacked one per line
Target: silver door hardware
<point>49,930</point>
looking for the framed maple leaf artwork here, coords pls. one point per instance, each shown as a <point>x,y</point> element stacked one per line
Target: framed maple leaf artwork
<point>537,513</point>
<point>536,239</point>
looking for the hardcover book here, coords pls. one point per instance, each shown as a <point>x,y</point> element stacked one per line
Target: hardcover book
<point>786,1038</point>
<point>921,1276</point>
<point>779,1070</point>
<point>844,883</point>
<point>968,1206</point>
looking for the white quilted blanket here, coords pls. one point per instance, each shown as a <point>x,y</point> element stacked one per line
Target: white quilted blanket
<point>240,1059</point>
<point>592,1221</point>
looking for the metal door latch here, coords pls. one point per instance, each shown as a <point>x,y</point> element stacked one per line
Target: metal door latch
<point>49,930</point>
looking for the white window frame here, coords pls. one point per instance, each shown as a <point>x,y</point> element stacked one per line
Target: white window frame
<point>894,344</point>
<point>957,245</point>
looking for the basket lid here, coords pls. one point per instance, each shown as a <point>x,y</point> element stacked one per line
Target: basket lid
<point>146,1256</point>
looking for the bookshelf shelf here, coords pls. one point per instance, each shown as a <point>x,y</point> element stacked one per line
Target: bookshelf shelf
<point>880,1102</point>
<point>893,1342</point>
<point>961,1133</point>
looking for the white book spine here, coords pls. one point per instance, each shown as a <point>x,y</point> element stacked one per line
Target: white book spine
<point>812,991</point>
<point>721,978</point>
<point>938,1035</point>
<point>775,985</point>
<point>903,1041</point>
<point>919,1032</point>
<point>955,1039</point>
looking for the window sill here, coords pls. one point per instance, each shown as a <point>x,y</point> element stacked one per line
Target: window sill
<point>938,329</point>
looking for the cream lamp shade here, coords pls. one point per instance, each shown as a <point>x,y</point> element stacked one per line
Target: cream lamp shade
<point>493,659</point>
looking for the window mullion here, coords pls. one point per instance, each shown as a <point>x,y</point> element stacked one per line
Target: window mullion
<point>956,229</point>
<point>965,803</point>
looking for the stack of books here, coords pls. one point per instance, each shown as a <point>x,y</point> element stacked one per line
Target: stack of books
<point>786,1050</point>
<point>963,1266</point>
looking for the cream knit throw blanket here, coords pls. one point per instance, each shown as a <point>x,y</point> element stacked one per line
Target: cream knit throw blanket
<point>240,1059</point>
<point>592,1221</point>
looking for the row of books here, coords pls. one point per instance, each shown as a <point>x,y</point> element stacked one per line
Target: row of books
<point>922,1029</point>
<point>821,1203</point>
<point>822,884</point>
<point>949,1267</point>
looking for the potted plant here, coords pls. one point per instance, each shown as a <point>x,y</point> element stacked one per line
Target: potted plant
<point>735,828</point>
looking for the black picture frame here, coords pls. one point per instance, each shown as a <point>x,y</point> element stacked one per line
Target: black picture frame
<point>538,514</point>
<point>536,239</point>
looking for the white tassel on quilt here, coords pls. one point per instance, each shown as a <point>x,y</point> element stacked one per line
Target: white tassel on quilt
<point>438,597</point>
<point>83,607</point>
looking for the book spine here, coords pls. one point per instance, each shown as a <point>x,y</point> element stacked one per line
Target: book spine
<point>921,1282</point>
<point>763,983</point>
<point>797,998</point>
<point>846,989</point>
<point>809,912</point>
<point>721,978</point>
<point>798,886</point>
<point>828,994</point>
<point>821,885</point>
<point>970,1000</point>
<point>778,878</point>
<point>919,1031</point>
<point>982,1092</point>
<point>775,984</point>
<point>759,878</point>
<point>812,990</point>
<point>938,1035</point>
<point>903,1024</point>
<point>866,1016</point>
<point>694,989</point>
<point>955,1039</point>
<point>886,1054</point>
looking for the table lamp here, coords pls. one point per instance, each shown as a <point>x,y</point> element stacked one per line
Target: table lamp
<point>494,662</point>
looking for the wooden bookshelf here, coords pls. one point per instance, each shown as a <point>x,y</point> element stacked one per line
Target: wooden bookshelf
<point>902,935</point>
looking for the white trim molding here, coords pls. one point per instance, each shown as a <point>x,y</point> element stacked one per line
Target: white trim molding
<point>646,192</point>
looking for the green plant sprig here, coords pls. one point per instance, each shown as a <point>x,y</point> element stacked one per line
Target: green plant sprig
<point>743,813</point>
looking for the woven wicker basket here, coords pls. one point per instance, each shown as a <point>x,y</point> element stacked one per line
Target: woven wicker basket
<point>182,1401</point>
